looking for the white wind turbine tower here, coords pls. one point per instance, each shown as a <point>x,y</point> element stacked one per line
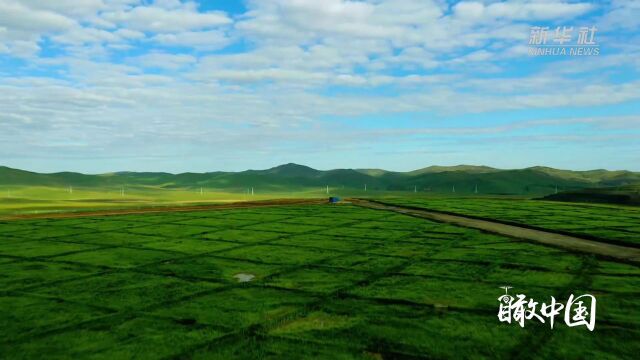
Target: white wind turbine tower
<point>365,187</point>
<point>327,189</point>
<point>415,188</point>
<point>252,191</point>
<point>476,190</point>
<point>453,189</point>
<point>70,189</point>
<point>201,191</point>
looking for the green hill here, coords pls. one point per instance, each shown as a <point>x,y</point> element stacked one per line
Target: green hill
<point>505,182</point>
<point>462,179</point>
<point>600,177</point>
<point>372,172</point>
<point>623,195</point>
<point>471,169</point>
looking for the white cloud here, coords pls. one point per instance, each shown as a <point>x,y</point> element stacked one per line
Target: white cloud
<point>202,40</point>
<point>308,20</point>
<point>129,34</point>
<point>71,8</point>
<point>163,60</point>
<point>162,20</point>
<point>20,19</point>
<point>475,56</point>
<point>83,35</point>
<point>23,49</point>
<point>520,10</point>
<point>625,14</point>
<point>381,58</point>
<point>469,10</point>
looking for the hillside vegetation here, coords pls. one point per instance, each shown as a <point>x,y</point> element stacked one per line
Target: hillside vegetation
<point>462,179</point>
<point>623,195</point>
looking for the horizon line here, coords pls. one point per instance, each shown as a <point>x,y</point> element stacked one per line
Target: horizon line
<point>317,169</point>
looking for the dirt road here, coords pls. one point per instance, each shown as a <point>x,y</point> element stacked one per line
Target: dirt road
<point>564,241</point>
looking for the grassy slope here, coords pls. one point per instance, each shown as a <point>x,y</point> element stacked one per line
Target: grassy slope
<point>292,177</point>
<point>623,195</point>
<point>599,176</point>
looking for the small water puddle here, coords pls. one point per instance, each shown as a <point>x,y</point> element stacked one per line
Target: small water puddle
<point>241,277</point>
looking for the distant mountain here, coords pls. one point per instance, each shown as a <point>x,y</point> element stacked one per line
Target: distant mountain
<point>600,176</point>
<point>9,176</point>
<point>464,168</point>
<point>372,172</point>
<point>461,179</point>
<point>292,170</point>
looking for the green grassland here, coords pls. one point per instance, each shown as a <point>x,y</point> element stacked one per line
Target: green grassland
<point>611,223</point>
<point>16,200</point>
<point>20,200</point>
<point>331,282</point>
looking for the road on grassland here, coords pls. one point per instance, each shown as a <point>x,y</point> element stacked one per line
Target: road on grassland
<point>544,237</point>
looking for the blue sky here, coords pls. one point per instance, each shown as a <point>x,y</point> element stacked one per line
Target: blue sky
<point>167,85</point>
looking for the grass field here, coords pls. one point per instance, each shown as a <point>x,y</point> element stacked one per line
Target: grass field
<point>612,223</point>
<point>333,282</point>
<point>37,199</point>
<point>17,200</point>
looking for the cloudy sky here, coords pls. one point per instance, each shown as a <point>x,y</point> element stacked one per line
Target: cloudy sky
<point>168,85</point>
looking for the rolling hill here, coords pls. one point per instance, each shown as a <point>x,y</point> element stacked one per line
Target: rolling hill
<point>462,179</point>
<point>623,195</point>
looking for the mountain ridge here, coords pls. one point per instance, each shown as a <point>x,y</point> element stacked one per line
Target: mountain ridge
<point>291,176</point>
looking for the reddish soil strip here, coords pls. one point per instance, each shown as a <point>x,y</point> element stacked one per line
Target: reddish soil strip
<point>545,237</point>
<point>162,209</point>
